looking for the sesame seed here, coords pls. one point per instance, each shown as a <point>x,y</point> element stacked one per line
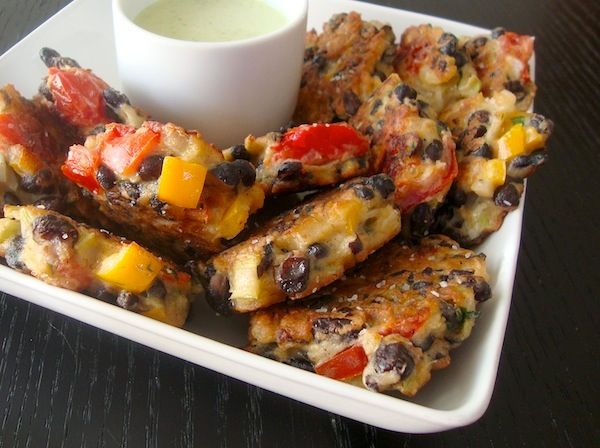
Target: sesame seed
<point>435,293</point>
<point>506,203</point>
<point>314,290</point>
<point>381,284</point>
<point>443,284</point>
<point>321,310</point>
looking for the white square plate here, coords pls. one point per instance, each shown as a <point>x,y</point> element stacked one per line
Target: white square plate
<point>455,396</point>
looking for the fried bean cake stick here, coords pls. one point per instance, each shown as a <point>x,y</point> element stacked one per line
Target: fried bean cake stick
<point>304,249</point>
<point>342,66</point>
<point>498,146</point>
<point>418,153</point>
<point>166,186</point>
<point>81,98</point>
<point>64,253</point>
<point>387,324</point>
<point>33,145</point>
<point>431,61</point>
<point>307,157</point>
<point>29,154</point>
<point>502,62</point>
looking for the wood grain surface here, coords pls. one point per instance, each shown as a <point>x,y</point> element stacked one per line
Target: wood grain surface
<point>64,383</point>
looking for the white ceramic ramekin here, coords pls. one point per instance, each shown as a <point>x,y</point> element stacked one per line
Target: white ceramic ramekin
<point>225,90</point>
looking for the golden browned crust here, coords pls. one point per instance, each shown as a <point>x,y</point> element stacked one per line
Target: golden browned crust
<point>406,306</point>
<point>415,151</point>
<point>342,66</point>
<point>431,62</point>
<point>502,62</point>
<point>490,180</point>
<point>65,253</point>
<point>306,248</point>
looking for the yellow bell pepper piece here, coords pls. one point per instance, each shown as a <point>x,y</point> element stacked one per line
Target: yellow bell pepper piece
<point>533,139</point>
<point>181,183</point>
<point>22,161</point>
<point>495,172</point>
<point>8,229</point>
<point>237,213</point>
<point>512,143</point>
<point>132,268</point>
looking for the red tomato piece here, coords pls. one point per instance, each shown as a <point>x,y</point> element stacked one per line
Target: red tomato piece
<point>78,96</point>
<point>26,131</point>
<point>519,46</point>
<point>318,144</point>
<point>125,148</point>
<point>80,167</point>
<point>418,181</point>
<point>346,364</point>
<point>408,325</point>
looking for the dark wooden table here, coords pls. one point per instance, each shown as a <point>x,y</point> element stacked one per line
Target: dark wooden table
<point>64,383</point>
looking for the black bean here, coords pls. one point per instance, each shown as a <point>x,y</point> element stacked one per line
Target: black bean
<point>396,357</point>
<point>522,166</point>
<point>363,192</point>
<point>49,56</point>
<point>106,177</point>
<point>300,362</point>
<point>114,98</point>
<point>542,124</point>
<point>497,32</point>
<point>429,270</point>
<point>507,196</point>
<point>448,43</point>
<point>483,151</point>
<point>232,173</point>
<point>482,116</point>
<point>218,293</point>
<point>421,220</point>
<point>382,183</point>
<point>40,182</point>
<point>480,131</point>
<point>55,203</point>
<point>482,291</point>
<point>459,59</point>
<point>240,152</point>
<point>456,272</point>
<point>376,105</point>
<point>317,250</point>
<point>102,293</point>
<point>52,58</point>
<point>52,227</point>
<point>328,325</point>
<point>355,246</point>
<point>10,198</point>
<point>293,275</point>
<point>351,102</point>
<point>421,284</point>
<point>434,150</point>
<point>404,91</point>
<point>452,315</point>
<point>515,87</point>
<point>426,343</point>
<point>157,290</point>
<point>266,261</point>
<point>44,90</point>
<point>479,41</point>
<point>151,167</point>
<point>289,171</point>
<point>13,253</point>
<point>128,300</point>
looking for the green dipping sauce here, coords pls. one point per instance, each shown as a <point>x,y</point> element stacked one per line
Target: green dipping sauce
<point>210,20</point>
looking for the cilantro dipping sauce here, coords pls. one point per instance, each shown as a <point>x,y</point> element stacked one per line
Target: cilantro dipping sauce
<point>210,20</point>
